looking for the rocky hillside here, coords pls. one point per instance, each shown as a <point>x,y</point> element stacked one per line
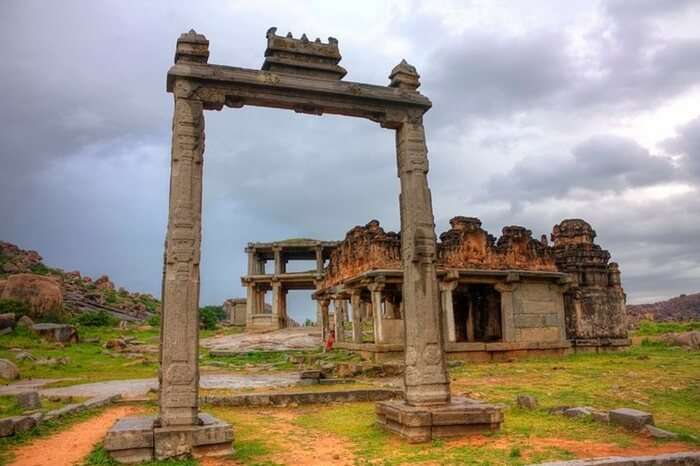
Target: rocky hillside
<point>24,277</point>
<point>682,308</point>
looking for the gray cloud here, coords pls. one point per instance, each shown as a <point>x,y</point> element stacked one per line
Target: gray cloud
<point>603,163</point>
<point>687,144</point>
<point>84,132</point>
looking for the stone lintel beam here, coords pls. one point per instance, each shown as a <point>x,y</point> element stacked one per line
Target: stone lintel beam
<point>218,85</point>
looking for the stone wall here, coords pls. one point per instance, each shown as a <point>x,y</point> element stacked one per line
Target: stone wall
<point>538,312</point>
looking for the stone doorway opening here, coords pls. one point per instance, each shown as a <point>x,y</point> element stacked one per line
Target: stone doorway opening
<point>477,313</point>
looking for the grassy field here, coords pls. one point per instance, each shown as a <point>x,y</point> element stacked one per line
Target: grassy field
<point>651,376</point>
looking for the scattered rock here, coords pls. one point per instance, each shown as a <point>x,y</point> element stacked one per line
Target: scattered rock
<point>601,416</point>
<point>25,322</point>
<point>123,325</point>
<point>60,333</point>
<point>312,374</point>
<point>8,370</point>
<point>526,402</point>
<point>687,339</point>
<point>558,409</point>
<point>42,294</point>
<point>580,411</point>
<point>454,363</point>
<point>7,321</point>
<point>24,356</point>
<point>631,418</point>
<point>116,344</point>
<point>104,283</point>
<point>92,340</point>
<point>53,362</point>
<point>24,423</point>
<point>7,427</point>
<point>29,400</point>
<point>659,433</point>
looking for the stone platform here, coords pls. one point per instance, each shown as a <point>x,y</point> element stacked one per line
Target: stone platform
<point>136,439</point>
<point>423,423</point>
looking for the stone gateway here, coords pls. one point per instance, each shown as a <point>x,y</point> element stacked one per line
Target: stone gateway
<point>304,76</point>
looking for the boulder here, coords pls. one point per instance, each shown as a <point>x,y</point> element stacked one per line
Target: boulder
<point>527,402</point>
<point>631,418</point>
<point>29,400</point>
<point>61,333</point>
<point>580,411</point>
<point>687,339</point>
<point>24,356</point>
<point>104,283</point>
<point>42,294</point>
<point>8,370</point>
<point>26,322</point>
<point>7,320</point>
<point>24,423</point>
<point>601,416</point>
<point>7,427</point>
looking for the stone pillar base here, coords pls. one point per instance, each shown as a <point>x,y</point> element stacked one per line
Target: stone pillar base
<point>136,439</point>
<point>417,424</point>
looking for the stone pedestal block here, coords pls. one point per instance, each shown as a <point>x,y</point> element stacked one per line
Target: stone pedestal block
<point>423,423</point>
<point>136,439</point>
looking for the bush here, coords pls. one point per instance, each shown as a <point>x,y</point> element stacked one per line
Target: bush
<point>18,308</point>
<point>154,320</point>
<point>209,316</point>
<point>96,319</point>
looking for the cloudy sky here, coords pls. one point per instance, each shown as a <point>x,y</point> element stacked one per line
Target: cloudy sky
<point>542,110</point>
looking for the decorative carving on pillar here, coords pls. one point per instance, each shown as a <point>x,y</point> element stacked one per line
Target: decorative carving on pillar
<point>425,376</point>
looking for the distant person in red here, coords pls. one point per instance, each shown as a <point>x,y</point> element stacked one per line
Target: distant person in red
<point>330,340</point>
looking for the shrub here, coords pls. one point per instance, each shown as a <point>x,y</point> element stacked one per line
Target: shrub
<point>96,319</point>
<point>154,320</point>
<point>209,316</point>
<point>18,308</point>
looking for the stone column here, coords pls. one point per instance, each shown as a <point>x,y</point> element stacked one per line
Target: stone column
<point>250,304</point>
<point>279,261</point>
<point>339,311</point>
<point>446,290</point>
<point>425,376</point>
<point>376,293</point>
<point>277,302</point>
<point>179,370</point>
<point>507,312</point>
<point>319,259</point>
<point>252,267</point>
<point>355,302</point>
<point>470,321</point>
<point>325,323</point>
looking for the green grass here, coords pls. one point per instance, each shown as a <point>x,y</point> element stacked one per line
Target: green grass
<point>87,362</point>
<point>279,360</point>
<point>650,328</point>
<point>10,407</point>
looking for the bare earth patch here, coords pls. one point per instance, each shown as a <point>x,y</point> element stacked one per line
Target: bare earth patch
<point>72,445</point>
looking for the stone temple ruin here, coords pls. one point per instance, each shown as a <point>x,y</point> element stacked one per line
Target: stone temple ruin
<point>500,298</point>
<point>303,76</point>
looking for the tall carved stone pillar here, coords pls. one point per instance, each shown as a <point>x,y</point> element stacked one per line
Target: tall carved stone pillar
<point>376,290</point>
<point>426,375</point>
<point>447,289</point>
<point>179,372</point>
<point>339,311</point>
<point>179,429</point>
<point>428,410</point>
<point>356,303</point>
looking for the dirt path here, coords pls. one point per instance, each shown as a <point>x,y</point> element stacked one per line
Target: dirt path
<point>72,445</point>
